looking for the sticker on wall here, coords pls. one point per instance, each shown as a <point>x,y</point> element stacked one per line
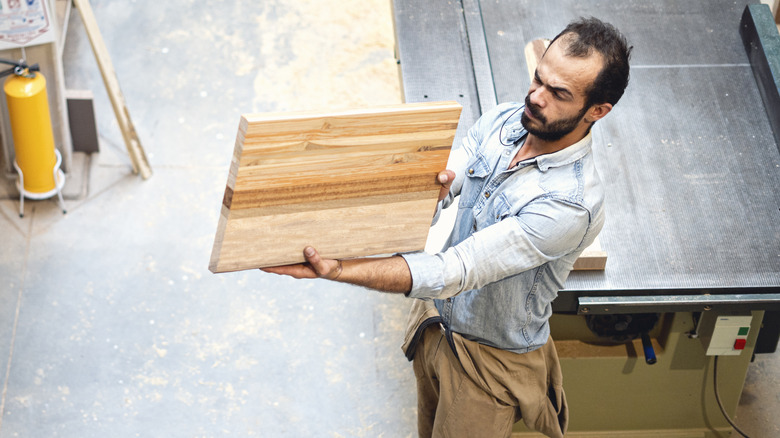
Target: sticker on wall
<point>24,23</point>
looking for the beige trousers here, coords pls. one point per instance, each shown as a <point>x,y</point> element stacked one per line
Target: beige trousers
<point>484,390</point>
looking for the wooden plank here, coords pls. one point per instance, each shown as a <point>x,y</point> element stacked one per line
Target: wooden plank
<point>351,183</point>
<point>133,144</point>
<point>593,258</point>
<point>533,53</point>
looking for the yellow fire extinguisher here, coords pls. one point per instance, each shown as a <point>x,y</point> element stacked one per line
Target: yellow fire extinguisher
<point>37,160</point>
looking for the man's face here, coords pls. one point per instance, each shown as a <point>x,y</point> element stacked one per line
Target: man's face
<point>555,104</point>
<point>545,129</point>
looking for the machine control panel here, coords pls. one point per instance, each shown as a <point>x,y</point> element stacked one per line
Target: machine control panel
<point>724,334</point>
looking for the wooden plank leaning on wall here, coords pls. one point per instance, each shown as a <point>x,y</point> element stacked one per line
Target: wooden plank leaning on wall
<point>133,144</point>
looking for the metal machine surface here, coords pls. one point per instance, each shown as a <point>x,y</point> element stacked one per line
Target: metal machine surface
<point>692,170</point>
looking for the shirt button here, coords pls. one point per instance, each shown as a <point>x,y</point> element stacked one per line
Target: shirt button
<point>449,300</point>
<point>471,171</point>
<point>487,195</point>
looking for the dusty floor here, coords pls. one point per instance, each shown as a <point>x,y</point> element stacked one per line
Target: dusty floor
<point>114,325</point>
<point>110,322</point>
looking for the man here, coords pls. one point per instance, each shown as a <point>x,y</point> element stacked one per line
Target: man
<point>530,202</point>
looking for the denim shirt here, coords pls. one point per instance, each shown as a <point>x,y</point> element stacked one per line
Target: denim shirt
<point>516,236</point>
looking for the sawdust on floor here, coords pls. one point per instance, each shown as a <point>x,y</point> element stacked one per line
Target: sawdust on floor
<point>342,56</point>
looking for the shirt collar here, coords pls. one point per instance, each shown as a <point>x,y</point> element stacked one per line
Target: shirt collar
<point>566,155</point>
<point>513,130</point>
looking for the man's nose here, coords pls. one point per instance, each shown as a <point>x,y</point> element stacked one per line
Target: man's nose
<point>536,97</point>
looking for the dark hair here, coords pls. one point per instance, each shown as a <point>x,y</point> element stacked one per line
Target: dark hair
<point>581,38</point>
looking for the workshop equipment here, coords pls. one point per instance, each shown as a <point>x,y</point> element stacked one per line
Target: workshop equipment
<point>691,168</point>
<point>724,334</point>
<point>37,160</point>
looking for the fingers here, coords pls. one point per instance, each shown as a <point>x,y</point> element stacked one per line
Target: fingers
<point>325,268</point>
<point>445,178</point>
<point>315,267</point>
<point>295,271</point>
<point>314,259</point>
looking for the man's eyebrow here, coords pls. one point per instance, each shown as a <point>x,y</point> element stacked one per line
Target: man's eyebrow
<point>557,90</point>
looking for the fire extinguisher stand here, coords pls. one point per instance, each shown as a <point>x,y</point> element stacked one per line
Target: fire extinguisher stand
<point>36,155</point>
<point>59,181</point>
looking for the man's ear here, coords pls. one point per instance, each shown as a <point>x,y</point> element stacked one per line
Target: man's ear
<point>597,112</point>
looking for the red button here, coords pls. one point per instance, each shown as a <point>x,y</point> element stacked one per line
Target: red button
<point>739,344</point>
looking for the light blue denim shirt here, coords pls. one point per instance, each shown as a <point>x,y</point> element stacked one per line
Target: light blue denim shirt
<point>516,235</point>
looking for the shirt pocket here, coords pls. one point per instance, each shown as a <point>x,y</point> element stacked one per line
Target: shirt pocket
<point>495,212</point>
<point>501,209</point>
<point>477,172</point>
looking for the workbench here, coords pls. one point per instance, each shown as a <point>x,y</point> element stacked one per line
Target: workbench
<point>691,167</point>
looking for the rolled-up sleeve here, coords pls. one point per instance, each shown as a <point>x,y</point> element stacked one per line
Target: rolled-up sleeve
<point>543,231</point>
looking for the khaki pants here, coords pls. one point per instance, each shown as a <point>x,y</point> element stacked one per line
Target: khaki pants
<point>484,390</point>
<point>449,404</point>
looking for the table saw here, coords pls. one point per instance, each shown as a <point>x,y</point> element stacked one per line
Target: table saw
<point>691,164</point>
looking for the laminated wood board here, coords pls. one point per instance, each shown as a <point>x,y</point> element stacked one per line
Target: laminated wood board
<point>350,183</point>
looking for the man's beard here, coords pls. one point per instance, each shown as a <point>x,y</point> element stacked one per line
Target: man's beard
<point>549,132</point>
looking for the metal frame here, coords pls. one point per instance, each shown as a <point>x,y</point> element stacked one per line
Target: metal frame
<point>602,305</point>
<point>59,182</point>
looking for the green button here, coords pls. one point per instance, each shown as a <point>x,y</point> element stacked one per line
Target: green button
<point>743,331</point>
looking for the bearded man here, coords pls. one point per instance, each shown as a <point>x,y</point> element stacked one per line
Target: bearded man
<point>530,202</point>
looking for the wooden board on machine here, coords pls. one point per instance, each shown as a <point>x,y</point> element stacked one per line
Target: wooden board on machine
<point>350,183</point>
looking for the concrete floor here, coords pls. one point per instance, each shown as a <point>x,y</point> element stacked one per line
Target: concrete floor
<point>110,322</point>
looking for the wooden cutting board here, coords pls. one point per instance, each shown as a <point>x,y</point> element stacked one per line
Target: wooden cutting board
<point>350,183</point>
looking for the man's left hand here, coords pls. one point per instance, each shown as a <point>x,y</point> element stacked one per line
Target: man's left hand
<point>315,267</point>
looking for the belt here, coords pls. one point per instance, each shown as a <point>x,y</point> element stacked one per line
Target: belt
<point>445,330</point>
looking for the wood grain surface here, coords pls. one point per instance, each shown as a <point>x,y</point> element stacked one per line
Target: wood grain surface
<point>350,183</point>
